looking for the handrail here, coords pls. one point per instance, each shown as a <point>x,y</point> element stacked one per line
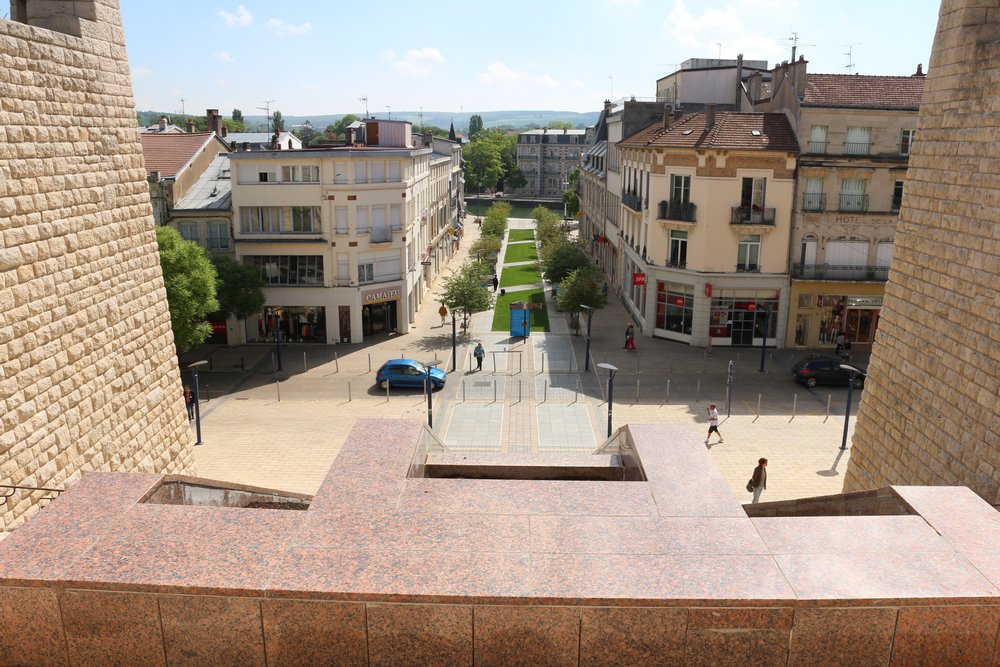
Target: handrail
<point>7,491</point>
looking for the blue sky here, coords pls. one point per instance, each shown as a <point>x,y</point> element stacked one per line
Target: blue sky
<point>321,57</point>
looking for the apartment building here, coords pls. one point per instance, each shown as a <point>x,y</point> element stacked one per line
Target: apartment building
<point>701,81</point>
<point>856,133</point>
<point>347,239</point>
<point>706,210</point>
<point>546,157</point>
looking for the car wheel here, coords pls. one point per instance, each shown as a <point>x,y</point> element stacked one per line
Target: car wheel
<point>859,383</point>
<point>810,382</point>
<point>384,384</point>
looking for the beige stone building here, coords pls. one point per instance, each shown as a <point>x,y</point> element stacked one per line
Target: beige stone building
<point>706,206</point>
<point>347,240</point>
<point>929,410</point>
<point>89,372</point>
<point>856,133</point>
<point>546,157</point>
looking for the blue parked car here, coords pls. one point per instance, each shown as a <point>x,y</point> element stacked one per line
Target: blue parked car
<point>408,373</point>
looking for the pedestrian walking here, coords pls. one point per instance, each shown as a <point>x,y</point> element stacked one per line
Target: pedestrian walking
<point>630,337</point>
<point>496,283</point>
<point>758,482</point>
<point>443,312</point>
<point>189,402</point>
<point>604,288</point>
<point>713,424</point>
<point>479,353</point>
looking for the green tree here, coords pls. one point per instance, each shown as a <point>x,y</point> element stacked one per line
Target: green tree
<point>572,202</point>
<point>306,133</point>
<point>561,259</point>
<point>515,179</point>
<point>189,278</point>
<point>548,227</point>
<point>483,165</point>
<point>464,291</point>
<point>239,287</point>
<point>277,122</point>
<point>486,248</point>
<point>581,288</point>
<point>560,125</point>
<point>237,116</point>
<point>495,222</point>
<point>475,125</point>
<point>339,129</point>
<point>233,126</point>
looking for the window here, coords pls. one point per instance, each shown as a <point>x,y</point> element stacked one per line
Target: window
<point>360,172</point>
<point>395,175</point>
<point>341,220</point>
<point>266,177</point>
<point>362,219</point>
<point>858,141</point>
<point>852,195</point>
<point>678,249</point>
<point>218,236</point>
<point>296,270</point>
<point>366,273</point>
<point>378,172</point>
<point>189,231</point>
<point>817,139</point>
<point>305,219</point>
<point>897,197</point>
<point>680,189</point>
<point>906,138</point>
<point>812,199</point>
<point>748,253</point>
<point>396,216</point>
<point>674,307</point>
<point>300,174</point>
<point>260,219</point>
<point>339,172</point>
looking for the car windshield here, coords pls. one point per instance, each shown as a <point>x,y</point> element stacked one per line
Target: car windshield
<point>420,367</point>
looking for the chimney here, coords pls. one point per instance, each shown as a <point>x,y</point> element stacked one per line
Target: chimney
<point>920,70</point>
<point>246,145</point>
<point>214,121</point>
<point>163,124</point>
<point>190,125</point>
<point>739,79</point>
<point>607,105</point>
<point>667,113</point>
<point>709,116</point>
<point>225,132</point>
<point>349,136</point>
<point>678,113</point>
<point>233,146</point>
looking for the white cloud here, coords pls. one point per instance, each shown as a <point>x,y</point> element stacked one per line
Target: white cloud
<point>241,19</point>
<point>498,74</point>
<point>721,32</point>
<point>577,84</point>
<point>632,3</point>
<point>416,62</point>
<point>141,72</point>
<point>287,28</point>
<point>224,56</point>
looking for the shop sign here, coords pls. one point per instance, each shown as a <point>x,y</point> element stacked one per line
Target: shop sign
<point>638,278</point>
<point>864,302</point>
<point>380,295</point>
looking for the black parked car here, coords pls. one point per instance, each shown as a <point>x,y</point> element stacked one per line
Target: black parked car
<point>827,370</point>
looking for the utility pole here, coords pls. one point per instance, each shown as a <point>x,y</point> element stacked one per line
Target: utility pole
<point>267,109</point>
<point>182,107</point>
<point>388,111</point>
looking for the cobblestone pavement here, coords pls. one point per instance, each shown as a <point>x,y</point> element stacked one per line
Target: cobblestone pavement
<point>284,429</point>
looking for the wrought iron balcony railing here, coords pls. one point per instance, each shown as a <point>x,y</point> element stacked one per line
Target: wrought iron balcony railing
<point>633,201</point>
<point>853,203</point>
<point>817,147</point>
<point>840,272</point>
<point>748,268</point>
<point>381,235</point>
<point>676,210</point>
<point>813,201</point>
<point>752,215</point>
<point>856,147</point>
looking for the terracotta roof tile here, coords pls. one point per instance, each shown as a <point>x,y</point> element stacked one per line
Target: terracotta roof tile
<point>864,91</point>
<point>732,131</point>
<point>167,153</point>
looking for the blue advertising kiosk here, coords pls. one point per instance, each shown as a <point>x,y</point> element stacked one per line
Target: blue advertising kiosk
<point>520,320</point>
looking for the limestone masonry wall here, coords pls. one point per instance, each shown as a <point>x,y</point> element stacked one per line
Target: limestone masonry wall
<point>88,376</point>
<point>929,414</point>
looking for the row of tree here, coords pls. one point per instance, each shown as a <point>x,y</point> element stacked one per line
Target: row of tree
<point>564,262</point>
<point>466,290</point>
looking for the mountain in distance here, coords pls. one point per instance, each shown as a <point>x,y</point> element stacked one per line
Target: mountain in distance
<point>514,120</point>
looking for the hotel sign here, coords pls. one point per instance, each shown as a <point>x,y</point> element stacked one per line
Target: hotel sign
<point>380,295</point>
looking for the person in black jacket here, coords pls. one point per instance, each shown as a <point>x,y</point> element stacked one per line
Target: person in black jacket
<point>759,479</point>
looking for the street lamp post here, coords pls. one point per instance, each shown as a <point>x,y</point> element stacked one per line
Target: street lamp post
<point>277,341</point>
<point>611,388</point>
<point>590,321</point>
<point>565,186</point>
<point>763,344</point>
<point>847,411</point>
<point>729,391</point>
<point>197,401</point>
<point>430,392</point>
<point>454,342</point>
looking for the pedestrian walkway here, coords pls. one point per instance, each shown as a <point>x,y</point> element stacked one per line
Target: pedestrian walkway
<point>535,395</point>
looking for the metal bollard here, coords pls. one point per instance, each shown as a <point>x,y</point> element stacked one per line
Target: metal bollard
<point>637,390</point>
<point>829,397</point>
<point>274,363</point>
<point>545,392</point>
<point>494,355</point>
<point>348,392</point>
<point>402,355</point>
<point>463,391</point>
<point>494,391</point>
<point>208,393</point>
<point>668,391</point>
<point>305,364</point>
<point>518,391</point>
<point>758,405</point>
<point>277,388</point>
<point>243,365</point>
<point>576,394</point>
<point>795,400</point>
<point>386,392</point>
<point>369,363</point>
<point>697,394</point>
<point>543,363</point>
<point>336,361</point>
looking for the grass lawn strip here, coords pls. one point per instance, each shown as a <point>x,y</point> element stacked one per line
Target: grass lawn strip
<point>513,276</point>
<point>521,235</point>
<point>521,252</point>
<point>539,318</point>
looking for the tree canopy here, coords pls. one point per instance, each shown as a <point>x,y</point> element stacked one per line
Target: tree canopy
<point>475,125</point>
<point>189,278</point>
<point>489,159</point>
<point>277,122</point>
<point>464,291</point>
<point>237,115</point>
<point>560,259</point>
<point>495,222</point>
<point>239,287</point>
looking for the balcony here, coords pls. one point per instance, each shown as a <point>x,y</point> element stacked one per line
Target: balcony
<point>752,215</point>
<point>676,210</point>
<point>813,201</point>
<point>817,147</point>
<point>853,203</point>
<point>380,235</point>
<point>840,272</point>
<point>633,201</point>
<point>748,268</point>
<point>856,147</point>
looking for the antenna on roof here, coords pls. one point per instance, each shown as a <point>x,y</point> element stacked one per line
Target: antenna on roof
<point>794,39</point>
<point>267,109</point>
<point>365,100</point>
<point>849,53</point>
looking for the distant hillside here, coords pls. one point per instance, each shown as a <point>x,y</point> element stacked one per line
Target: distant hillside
<point>501,119</point>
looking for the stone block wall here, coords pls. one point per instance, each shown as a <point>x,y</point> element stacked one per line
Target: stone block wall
<point>929,414</point>
<point>88,371</point>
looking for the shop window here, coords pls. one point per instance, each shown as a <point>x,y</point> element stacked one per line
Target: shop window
<point>674,307</point>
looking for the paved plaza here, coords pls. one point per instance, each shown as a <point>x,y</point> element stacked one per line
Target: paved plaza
<point>283,429</point>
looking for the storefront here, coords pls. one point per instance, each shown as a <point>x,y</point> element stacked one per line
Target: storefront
<point>744,317</point>
<point>820,313</point>
<point>298,324</point>
<point>380,310</point>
